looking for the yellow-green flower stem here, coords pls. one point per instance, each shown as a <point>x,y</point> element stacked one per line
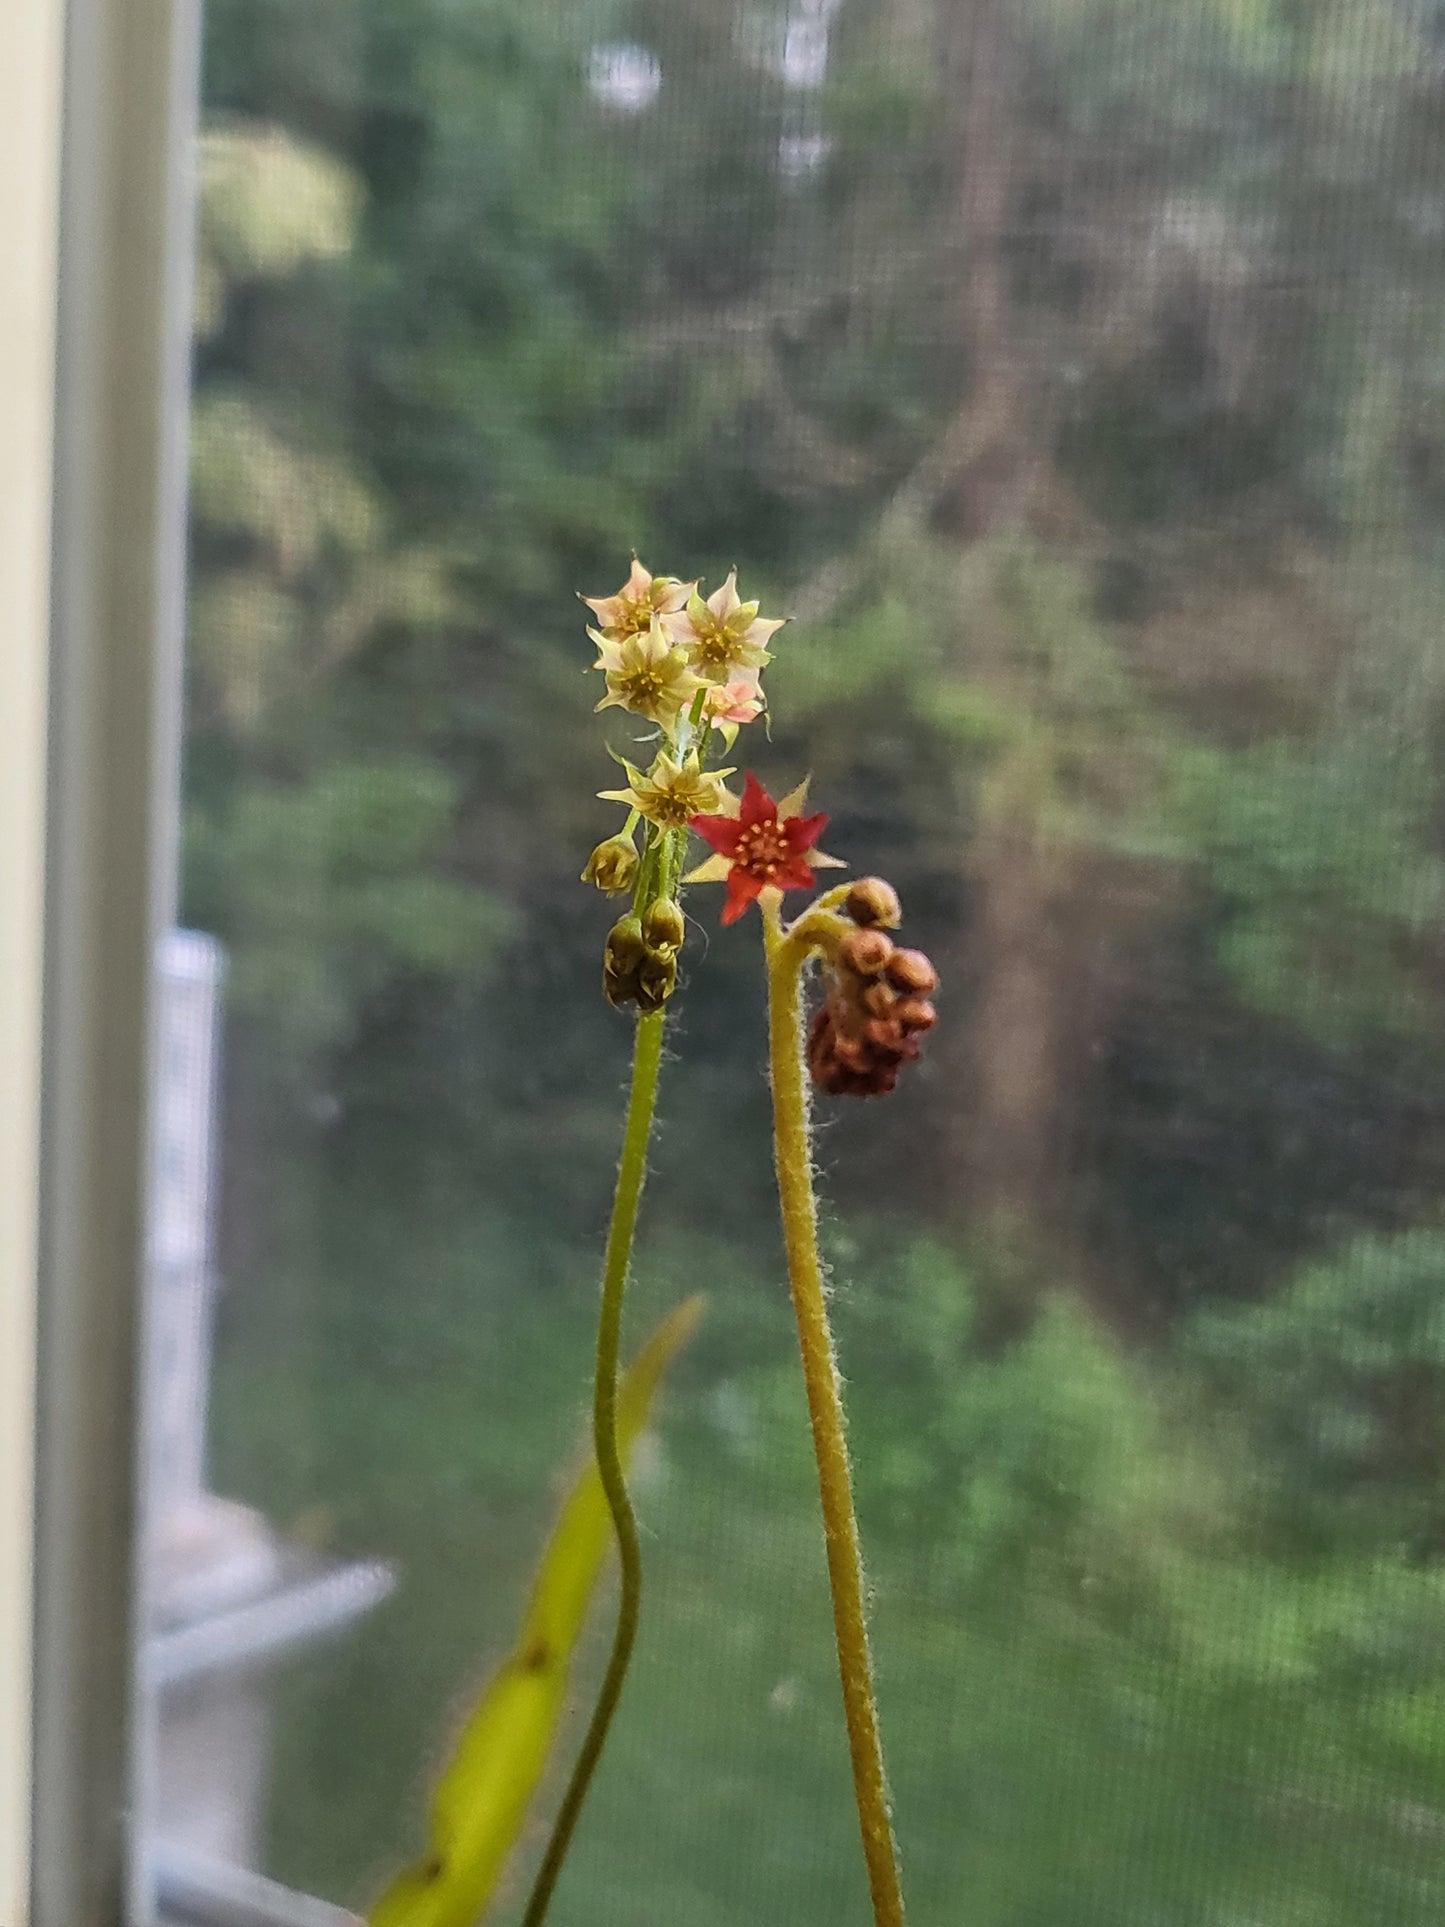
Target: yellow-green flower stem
<point>658,874</point>
<point>660,870</point>
<point>787,955</point>
<point>645,889</point>
<point>631,1172</point>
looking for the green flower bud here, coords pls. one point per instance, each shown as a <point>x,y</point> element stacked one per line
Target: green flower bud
<point>626,945</point>
<point>622,960</point>
<point>662,925</point>
<point>612,865</point>
<point>619,987</point>
<point>656,979</point>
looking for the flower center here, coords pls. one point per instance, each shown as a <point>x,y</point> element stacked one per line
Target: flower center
<point>636,613</point>
<point>762,849</point>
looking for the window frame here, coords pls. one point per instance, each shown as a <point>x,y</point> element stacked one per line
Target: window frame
<point>128,99</point>
<point>29,139</point>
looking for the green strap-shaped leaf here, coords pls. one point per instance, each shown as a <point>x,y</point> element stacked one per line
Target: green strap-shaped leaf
<point>481,1799</point>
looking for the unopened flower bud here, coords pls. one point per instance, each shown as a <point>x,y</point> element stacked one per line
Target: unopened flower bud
<point>885,1039</point>
<point>621,962</point>
<point>656,978</point>
<point>872,902</point>
<point>662,924</point>
<point>916,1013</point>
<point>626,945</point>
<point>619,987</point>
<point>612,865</point>
<point>879,998</point>
<point>852,1054</point>
<point>875,1015</point>
<point>911,970</point>
<point>866,952</point>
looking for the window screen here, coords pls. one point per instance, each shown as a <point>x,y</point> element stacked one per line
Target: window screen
<point>1073,372</point>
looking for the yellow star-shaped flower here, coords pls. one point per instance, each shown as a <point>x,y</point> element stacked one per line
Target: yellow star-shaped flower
<point>724,637</point>
<point>646,674</point>
<point>641,597</point>
<point>672,793</point>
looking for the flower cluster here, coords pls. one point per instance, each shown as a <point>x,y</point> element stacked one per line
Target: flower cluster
<point>639,965</point>
<point>877,1006</point>
<point>660,645</point>
<point>691,667</point>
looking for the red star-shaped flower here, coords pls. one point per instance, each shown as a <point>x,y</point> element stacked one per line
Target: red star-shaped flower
<point>764,846</point>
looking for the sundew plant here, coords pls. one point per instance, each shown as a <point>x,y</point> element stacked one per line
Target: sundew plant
<point>688,671</point>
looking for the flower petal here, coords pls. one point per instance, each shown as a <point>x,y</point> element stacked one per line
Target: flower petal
<point>716,869</point>
<point>720,833</point>
<point>792,803</point>
<point>758,631</point>
<point>795,873</point>
<point>723,601</point>
<point>742,890</point>
<point>606,608</point>
<point>757,805</point>
<point>802,832</point>
<point>670,595</point>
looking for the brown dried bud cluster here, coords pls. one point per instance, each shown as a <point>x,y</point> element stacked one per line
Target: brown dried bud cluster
<point>877,1007</point>
<point>639,965</point>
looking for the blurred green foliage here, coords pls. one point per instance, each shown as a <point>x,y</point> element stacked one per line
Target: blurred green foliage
<point>1079,388</point>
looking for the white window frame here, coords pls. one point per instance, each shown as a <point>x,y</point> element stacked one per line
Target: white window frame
<point>99,102</point>
<point>97,105</point>
<point>29,164</point>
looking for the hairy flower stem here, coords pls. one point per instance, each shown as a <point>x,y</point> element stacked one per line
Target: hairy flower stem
<point>631,1172</point>
<point>786,957</point>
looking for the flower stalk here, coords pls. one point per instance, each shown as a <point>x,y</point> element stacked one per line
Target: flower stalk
<point>627,1198</point>
<point>691,668</point>
<point>787,954</point>
<point>649,673</point>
